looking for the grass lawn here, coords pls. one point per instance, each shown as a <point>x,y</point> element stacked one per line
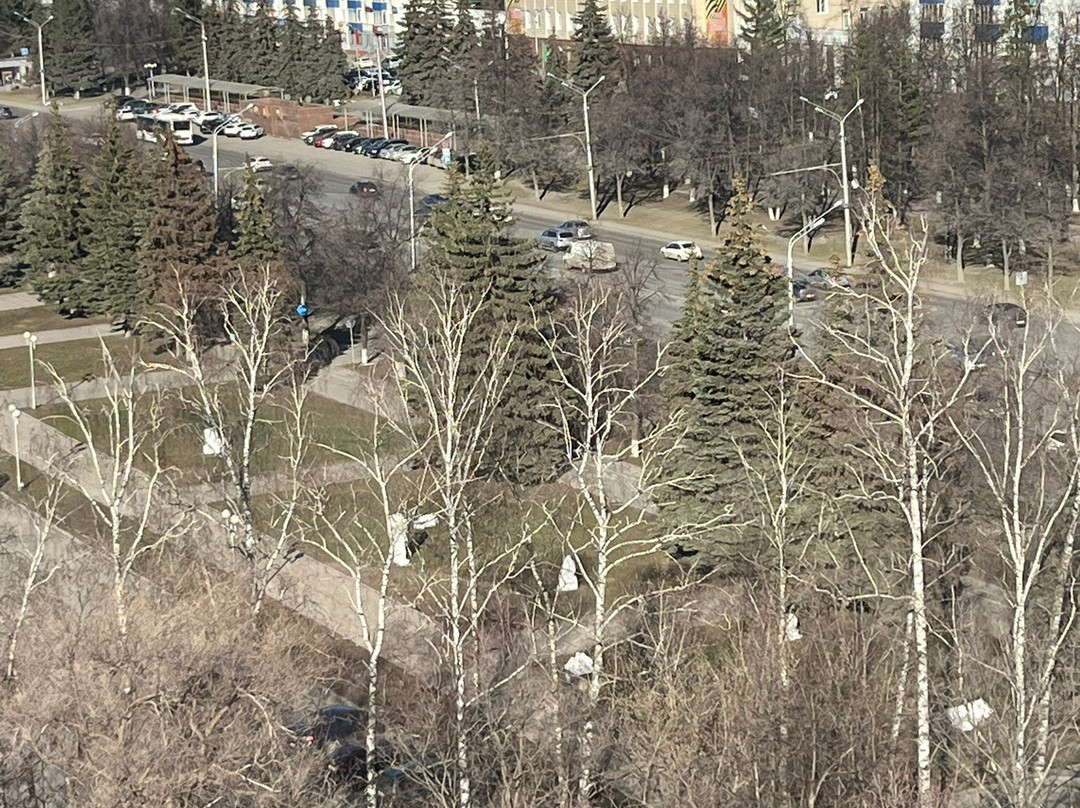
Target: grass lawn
<point>40,318</point>
<point>177,435</point>
<point>72,361</point>
<point>549,516</point>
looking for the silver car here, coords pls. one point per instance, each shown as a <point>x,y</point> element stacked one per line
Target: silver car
<point>579,228</point>
<point>555,239</point>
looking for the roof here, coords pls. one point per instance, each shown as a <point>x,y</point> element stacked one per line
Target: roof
<point>402,109</point>
<point>237,88</point>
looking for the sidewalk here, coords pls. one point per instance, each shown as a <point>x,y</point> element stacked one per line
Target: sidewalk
<point>14,301</point>
<point>78,332</point>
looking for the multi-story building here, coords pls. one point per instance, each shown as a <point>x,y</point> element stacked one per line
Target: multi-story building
<point>358,20</point>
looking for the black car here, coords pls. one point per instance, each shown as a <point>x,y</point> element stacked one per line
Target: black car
<point>6,113</point>
<point>122,101</point>
<point>364,189</point>
<point>343,141</point>
<point>371,148</point>
<point>357,145</point>
<point>433,201</point>
<point>1006,314</point>
<point>210,123</point>
<point>335,723</point>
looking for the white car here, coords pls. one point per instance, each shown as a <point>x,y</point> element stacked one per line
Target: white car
<point>409,154</point>
<point>259,164</point>
<point>322,129</point>
<point>205,116</point>
<point>681,251</point>
<point>125,114</point>
<point>233,127</point>
<point>251,132</point>
<point>185,108</point>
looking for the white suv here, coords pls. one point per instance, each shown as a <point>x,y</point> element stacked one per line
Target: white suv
<point>681,251</point>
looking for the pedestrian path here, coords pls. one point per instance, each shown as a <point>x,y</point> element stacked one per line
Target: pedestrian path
<point>14,301</point>
<point>56,335</point>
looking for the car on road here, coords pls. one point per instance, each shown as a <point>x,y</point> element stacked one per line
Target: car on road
<point>365,189</point>
<point>826,278</point>
<point>6,113</point>
<point>802,290</point>
<point>555,239</point>
<point>322,129</point>
<point>430,203</point>
<point>251,132</point>
<point>681,251</point>
<point>258,164</point>
<point>1006,314</point>
<point>580,228</point>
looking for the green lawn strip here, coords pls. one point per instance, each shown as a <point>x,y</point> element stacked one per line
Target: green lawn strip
<point>75,513</point>
<point>178,442</point>
<point>41,318</point>
<point>72,361</point>
<point>550,516</point>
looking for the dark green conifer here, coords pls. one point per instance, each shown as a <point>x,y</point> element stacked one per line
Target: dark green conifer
<point>595,53</point>
<point>256,244</point>
<point>52,220</point>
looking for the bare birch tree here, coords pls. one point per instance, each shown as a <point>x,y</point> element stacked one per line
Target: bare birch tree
<point>38,568</point>
<point>454,397</point>
<point>121,474</point>
<point>902,404</point>
<point>1025,444</point>
<point>594,351</point>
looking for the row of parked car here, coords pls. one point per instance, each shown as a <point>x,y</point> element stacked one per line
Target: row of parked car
<point>208,121</point>
<point>329,136</point>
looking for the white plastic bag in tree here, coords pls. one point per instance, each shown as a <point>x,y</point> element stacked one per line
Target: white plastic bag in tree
<point>568,581</point>
<point>580,664</point>
<point>965,717</point>
<point>212,445</point>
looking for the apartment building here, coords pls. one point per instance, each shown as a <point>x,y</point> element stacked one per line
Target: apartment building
<point>980,21</point>
<point>358,20</point>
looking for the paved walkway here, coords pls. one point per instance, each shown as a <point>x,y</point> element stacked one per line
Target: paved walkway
<point>317,591</point>
<point>14,301</point>
<point>61,335</point>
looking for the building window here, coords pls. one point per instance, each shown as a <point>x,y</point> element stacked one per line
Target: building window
<point>822,6</point>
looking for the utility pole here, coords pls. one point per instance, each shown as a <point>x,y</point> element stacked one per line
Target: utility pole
<point>790,266</point>
<point>412,193</point>
<point>842,120</point>
<point>588,133</point>
<point>150,79</point>
<point>205,57</point>
<point>40,50</point>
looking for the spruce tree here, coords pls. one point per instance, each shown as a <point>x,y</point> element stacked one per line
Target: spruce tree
<point>113,278</point>
<point>185,49</point>
<point>52,220</point>
<point>729,345</point>
<point>69,48</point>
<point>12,194</point>
<point>262,46</point>
<point>256,244</point>
<point>595,53</point>
<point>471,247</point>
<point>764,27</point>
<point>330,65</point>
<point>179,242</point>
<point>420,47</point>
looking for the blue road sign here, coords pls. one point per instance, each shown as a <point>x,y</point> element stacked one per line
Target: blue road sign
<point>302,310</point>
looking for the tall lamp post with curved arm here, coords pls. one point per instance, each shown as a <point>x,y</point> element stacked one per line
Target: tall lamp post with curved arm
<point>40,50</point>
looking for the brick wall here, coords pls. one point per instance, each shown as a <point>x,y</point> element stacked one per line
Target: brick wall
<point>288,118</point>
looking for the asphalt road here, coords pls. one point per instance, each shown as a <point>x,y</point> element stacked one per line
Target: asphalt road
<point>337,171</point>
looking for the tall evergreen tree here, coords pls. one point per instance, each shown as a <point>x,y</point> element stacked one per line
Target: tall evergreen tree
<point>471,247</point>
<point>595,53</point>
<point>330,65</point>
<point>420,47</point>
<point>256,244</point>
<point>185,49</point>
<point>52,219</point>
<point>262,47</point>
<point>764,28</point>
<point>70,52</point>
<point>12,192</point>
<point>729,346</point>
<point>113,280</point>
<point>180,233</point>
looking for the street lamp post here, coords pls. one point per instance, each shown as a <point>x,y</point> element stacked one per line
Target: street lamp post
<point>412,204</point>
<point>842,120</point>
<point>40,50</point>
<point>205,57</point>
<point>31,341</point>
<point>15,413</point>
<point>21,121</point>
<point>150,82</point>
<point>790,266</point>
<point>588,133</point>
<point>382,89</point>
<point>214,151</point>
